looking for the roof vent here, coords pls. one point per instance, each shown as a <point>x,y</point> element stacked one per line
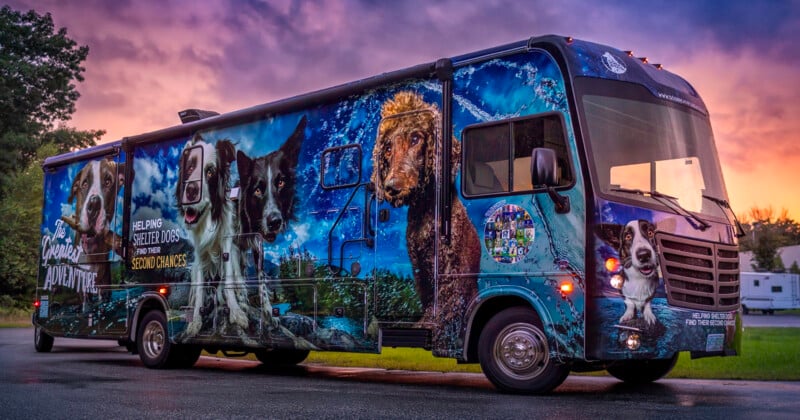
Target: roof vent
<point>190,115</point>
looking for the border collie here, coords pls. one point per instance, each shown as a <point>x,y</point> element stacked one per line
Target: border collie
<point>637,252</point>
<point>266,200</point>
<point>208,216</point>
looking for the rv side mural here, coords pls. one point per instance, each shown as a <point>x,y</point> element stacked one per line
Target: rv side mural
<point>271,229</point>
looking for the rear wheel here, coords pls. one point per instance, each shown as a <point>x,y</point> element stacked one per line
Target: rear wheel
<point>281,357</point>
<point>642,371</point>
<point>153,341</point>
<point>42,341</point>
<point>514,354</point>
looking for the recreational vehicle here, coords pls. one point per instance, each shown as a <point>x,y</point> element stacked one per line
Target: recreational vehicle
<point>546,206</point>
<point>770,292</point>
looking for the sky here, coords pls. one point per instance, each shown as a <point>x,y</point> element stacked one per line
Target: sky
<point>149,59</point>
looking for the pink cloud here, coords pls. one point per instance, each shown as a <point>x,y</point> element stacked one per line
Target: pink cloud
<point>150,59</point>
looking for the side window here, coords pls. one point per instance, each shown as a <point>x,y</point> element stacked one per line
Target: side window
<point>341,166</point>
<point>777,289</point>
<point>497,155</point>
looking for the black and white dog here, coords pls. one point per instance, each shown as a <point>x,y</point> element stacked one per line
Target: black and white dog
<point>208,216</point>
<point>266,201</point>
<point>637,251</point>
<point>94,191</point>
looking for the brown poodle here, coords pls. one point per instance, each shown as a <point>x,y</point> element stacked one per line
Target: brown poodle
<point>404,175</point>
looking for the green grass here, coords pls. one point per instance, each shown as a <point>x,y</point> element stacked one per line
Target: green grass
<point>768,354</point>
<point>392,358</point>
<point>14,318</point>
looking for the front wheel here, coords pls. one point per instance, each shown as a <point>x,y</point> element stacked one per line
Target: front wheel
<point>642,371</point>
<point>281,357</point>
<point>514,354</point>
<point>42,341</point>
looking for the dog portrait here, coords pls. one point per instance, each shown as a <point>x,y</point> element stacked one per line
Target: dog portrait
<point>266,202</point>
<point>267,187</point>
<point>208,216</point>
<point>404,174</point>
<point>635,242</point>
<point>94,192</point>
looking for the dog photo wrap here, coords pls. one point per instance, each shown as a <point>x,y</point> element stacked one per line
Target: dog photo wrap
<point>508,233</point>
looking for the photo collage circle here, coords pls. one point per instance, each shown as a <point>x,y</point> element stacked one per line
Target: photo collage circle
<point>508,234</point>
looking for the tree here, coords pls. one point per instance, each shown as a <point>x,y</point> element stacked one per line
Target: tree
<point>38,68</point>
<point>794,269</point>
<point>765,234</point>
<point>20,230</point>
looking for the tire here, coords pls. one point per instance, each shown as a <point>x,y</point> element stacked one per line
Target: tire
<point>152,340</point>
<point>642,371</point>
<point>514,354</point>
<point>745,310</point>
<point>42,341</point>
<point>281,357</point>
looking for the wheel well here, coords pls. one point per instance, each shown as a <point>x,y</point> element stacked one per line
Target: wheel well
<point>489,309</point>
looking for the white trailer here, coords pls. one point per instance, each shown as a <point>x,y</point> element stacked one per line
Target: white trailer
<point>770,292</point>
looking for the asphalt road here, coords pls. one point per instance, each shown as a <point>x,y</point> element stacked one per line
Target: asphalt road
<point>92,379</point>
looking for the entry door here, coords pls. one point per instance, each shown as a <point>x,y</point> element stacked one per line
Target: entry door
<point>344,290</point>
<point>404,174</point>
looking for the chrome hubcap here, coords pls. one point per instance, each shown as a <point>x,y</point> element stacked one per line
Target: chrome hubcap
<point>153,339</point>
<point>521,351</point>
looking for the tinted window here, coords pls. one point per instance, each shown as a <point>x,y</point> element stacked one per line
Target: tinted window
<point>497,156</point>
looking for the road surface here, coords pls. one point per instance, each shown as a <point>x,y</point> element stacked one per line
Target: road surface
<point>91,379</point>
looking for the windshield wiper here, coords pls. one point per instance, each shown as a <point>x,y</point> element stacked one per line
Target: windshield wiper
<point>726,208</point>
<point>671,203</point>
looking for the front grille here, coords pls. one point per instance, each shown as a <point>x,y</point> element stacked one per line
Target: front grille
<point>699,275</point>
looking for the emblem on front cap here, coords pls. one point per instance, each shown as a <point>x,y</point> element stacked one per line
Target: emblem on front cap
<point>613,64</point>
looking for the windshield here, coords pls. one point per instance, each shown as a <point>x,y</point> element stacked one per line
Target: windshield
<point>639,142</point>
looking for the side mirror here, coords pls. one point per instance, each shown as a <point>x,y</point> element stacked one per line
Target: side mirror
<point>544,172</point>
<point>544,167</point>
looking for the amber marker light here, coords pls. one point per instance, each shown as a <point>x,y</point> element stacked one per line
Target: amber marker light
<point>566,288</point>
<point>612,265</point>
<point>163,290</point>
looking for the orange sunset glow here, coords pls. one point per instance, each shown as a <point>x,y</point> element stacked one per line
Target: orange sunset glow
<point>150,59</point>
